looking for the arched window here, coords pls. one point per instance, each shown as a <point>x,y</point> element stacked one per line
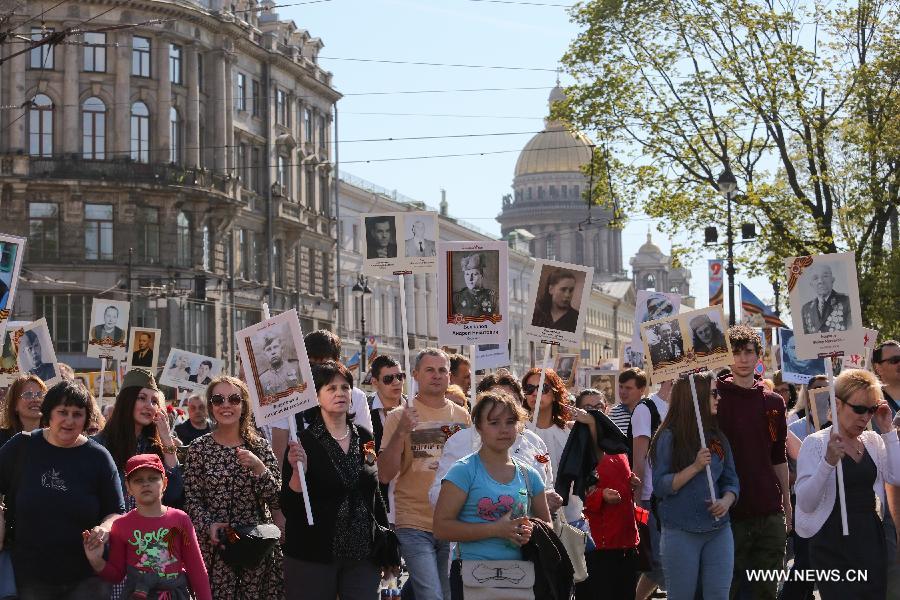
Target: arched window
<point>40,126</point>
<point>649,282</point>
<point>175,141</point>
<point>140,132</point>
<point>183,240</point>
<point>550,247</point>
<point>93,125</point>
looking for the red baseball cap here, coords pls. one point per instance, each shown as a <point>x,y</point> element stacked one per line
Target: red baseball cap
<point>144,461</point>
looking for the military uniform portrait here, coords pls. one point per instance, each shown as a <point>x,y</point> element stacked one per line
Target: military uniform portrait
<point>651,306</point>
<point>829,310</point>
<point>474,283</point>
<point>276,361</point>
<point>665,343</point>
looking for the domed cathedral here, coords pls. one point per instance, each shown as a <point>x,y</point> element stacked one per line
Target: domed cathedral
<point>548,203</point>
<point>653,270</point>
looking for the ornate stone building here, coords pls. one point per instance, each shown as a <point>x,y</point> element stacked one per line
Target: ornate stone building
<point>653,270</point>
<point>182,161</point>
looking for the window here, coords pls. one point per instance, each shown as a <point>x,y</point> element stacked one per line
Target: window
<point>324,205</point>
<point>312,271</point>
<point>540,192</point>
<point>196,319</point>
<point>243,270</point>
<point>207,243</point>
<point>41,57</point>
<point>245,317</point>
<point>549,247</point>
<point>281,107</point>
<point>553,194</point>
<point>355,237</point>
<point>68,316</point>
<point>277,260</point>
<point>98,231</point>
<point>183,253</point>
<point>175,137</point>
<point>254,103</point>
<point>323,128</point>
<point>175,56</point>
<point>240,93</point>
<point>40,126</point>
<point>311,190</point>
<point>147,233</point>
<point>307,124</point>
<point>326,274</point>
<point>93,126</point>
<point>140,56</point>
<point>255,167</point>
<point>200,83</point>
<point>140,132</point>
<point>283,175</point>
<point>257,257</point>
<point>43,230</point>
<point>95,52</point>
<point>241,161</point>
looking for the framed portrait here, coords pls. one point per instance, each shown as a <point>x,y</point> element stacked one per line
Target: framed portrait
<point>793,368</point>
<point>12,248</point>
<point>559,292</point>
<point>652,306</point>
<point>825,309</point>
<point>491,356</point>
<point>606,381</point>
<point>277,368</point>
<point>36,355</point>
<point>473,302</point>
<point>566,365</point>
<point>399,242</point>
<point>689,341</point>
<point>819,401</point>
<point>631,356</point>
<point>143,347</point>
<point>110,385</point>
<point>9,364</point>
<point>107,333</point>
<point>190,371</point>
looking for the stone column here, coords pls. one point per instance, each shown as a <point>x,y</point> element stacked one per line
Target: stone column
<point>163,103</point>
<point>18,122</point>
<point>192,110</point>
<point>121,111</point>
<point>219,107</point>
<point>71,140</point>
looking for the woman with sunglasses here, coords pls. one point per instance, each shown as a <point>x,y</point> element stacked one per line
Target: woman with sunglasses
<point>333,557</point>
<point>22,407</point>
<point>696,544</point>
<point>232,478</point>
<point>869,461</point>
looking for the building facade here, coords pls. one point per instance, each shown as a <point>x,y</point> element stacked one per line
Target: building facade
<point>182,161</point>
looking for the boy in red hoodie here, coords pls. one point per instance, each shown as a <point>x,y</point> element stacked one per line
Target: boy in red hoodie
<point>753,420</point>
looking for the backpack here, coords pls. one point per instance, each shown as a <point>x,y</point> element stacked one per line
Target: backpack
<point>655,422</point>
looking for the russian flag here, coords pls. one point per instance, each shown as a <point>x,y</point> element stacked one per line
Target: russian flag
<point>751,305</point>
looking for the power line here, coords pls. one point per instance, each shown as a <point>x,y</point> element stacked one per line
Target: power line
<point>434,64</point>
<point>401,114</point>
<point>463,90</point>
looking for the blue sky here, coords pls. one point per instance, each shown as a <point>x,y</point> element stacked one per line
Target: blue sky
<point>473,32</point>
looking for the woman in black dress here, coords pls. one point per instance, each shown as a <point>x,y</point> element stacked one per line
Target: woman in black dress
<point>868,460</point>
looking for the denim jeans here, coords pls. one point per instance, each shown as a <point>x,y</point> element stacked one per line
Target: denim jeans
<point>690,558</point>
<point>428,562</point>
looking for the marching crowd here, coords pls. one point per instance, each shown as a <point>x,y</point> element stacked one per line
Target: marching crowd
<point>691,489</point>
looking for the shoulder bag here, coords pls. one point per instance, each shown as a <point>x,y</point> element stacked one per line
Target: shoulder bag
<point>574,540</point>
<point>499,579</point>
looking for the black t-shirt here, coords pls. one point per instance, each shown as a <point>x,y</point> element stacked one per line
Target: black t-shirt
<point>61,492</point>
<point>187,433</point>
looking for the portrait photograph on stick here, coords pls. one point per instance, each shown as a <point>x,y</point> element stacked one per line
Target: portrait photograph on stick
<point>604,380</point>
<point>143,347</point>
<point>793,368</point>
<point>277,368</point>
<point>189,370</point>
<point>421,240</point>
<point>400,242</point>
<point>559,292</point>
<point>12,248</point>
<point>652,306</point>
<point>36,354</point>
<point>824,298</point>
<point>819,401</point>
<point>631,356</point>
<point>472,292</point>
<point>687,342</point>
<point>9,364</point>
<point>108,328</point>
<point>566,365</point>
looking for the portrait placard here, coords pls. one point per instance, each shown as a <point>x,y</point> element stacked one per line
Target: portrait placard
<point>566,365</point>
<point>819,406</point>
<point>558,303</point>
<point>36,355</point>
<point>861,361</point>
<point>473,302</point>
<point>604,380</point>
<point>190,371</point>
<point>12,248</point>
<point>491,356</point>
<point>108,328</point>
<point>825,308</point>
<point>277,368</point>
<point>399,242</point>
<point>686,342</point>
<point>143,347</point>
<point>110,386</point>
<point>793,368</point>
<point>632,356</point>
<point>652,306</point>
<point>9,364</point>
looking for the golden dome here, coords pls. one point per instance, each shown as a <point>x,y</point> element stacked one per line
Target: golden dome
<point>554,150</point>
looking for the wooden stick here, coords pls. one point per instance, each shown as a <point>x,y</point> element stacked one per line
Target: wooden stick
<point>829,373</point>
<point>102,374</point>
<point>472,350</point>
<point>540,390</point>
<point>410,393</point>
<point>709,479</point>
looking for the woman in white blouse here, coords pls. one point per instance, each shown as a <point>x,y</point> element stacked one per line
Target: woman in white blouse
<point>868,461</point>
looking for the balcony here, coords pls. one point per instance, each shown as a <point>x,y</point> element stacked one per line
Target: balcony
<point>120,171</point>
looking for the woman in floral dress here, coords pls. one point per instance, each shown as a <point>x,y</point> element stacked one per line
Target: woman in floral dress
<point>231,477</point>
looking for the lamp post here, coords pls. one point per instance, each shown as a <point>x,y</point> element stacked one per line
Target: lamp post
<point>727,185</point>
<point>362,291</point>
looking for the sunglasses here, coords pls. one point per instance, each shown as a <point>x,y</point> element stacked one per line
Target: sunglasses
<point>389,379</point>
<point>861,410</point>
<point>894,360</point>
<point>219,399</point>
<point>32,395</point>
<point>530,388</point>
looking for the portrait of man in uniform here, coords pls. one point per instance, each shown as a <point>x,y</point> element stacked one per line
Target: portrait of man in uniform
<point>381,237</point>
<point>281,372</point>
<point>830,310</point>
<point>418,244</point>
<point>666,345</point>
<point>31,349</point>
<point>109,329</point>
<point>476,299</point>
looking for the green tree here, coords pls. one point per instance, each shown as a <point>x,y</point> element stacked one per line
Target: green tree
<point>799,99</point>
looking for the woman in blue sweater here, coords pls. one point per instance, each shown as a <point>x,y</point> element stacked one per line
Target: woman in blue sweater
<point>696,542</point>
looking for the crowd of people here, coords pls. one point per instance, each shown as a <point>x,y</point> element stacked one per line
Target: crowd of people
<point>687,487</point>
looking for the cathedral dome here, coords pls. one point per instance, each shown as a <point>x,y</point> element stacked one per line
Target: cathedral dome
<point>554,150</point>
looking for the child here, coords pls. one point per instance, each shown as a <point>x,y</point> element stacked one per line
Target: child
<point>154,545</point>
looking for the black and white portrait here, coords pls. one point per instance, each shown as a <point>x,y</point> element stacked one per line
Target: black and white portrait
<point>474,281</point>
<point>829,310</point>
<point>420,239</point>
<point>652,306</point>
<point>188,370</point>
<point>632,356</point>
<point>707,334</point>
<point>109,323</point>
<point>665,343</point>
<point>795,369</point>
<point>605,382</point>
<point>381,236</point>
<point>559,299</point>
<point>276,362</point>
<point>36,355</point>
<point>565,366</point>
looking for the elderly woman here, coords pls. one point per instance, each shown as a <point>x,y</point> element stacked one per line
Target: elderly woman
<point>62,489</point>
<point>332,557</point>
<point>22,407</point>
<point>231,478</point>
<point>869,461</point>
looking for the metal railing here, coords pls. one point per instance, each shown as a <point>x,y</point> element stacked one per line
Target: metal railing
<point>126,171</point>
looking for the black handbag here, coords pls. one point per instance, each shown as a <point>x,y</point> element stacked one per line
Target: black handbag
<point>385,545</point>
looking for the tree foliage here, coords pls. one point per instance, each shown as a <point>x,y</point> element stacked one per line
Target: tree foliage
<point>800,100</point>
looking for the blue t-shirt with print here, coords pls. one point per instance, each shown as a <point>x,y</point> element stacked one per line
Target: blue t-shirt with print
<point>487,500</point>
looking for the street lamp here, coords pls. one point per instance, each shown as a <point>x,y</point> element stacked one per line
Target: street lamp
<point>362,291</point>
<point>727,185</point>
